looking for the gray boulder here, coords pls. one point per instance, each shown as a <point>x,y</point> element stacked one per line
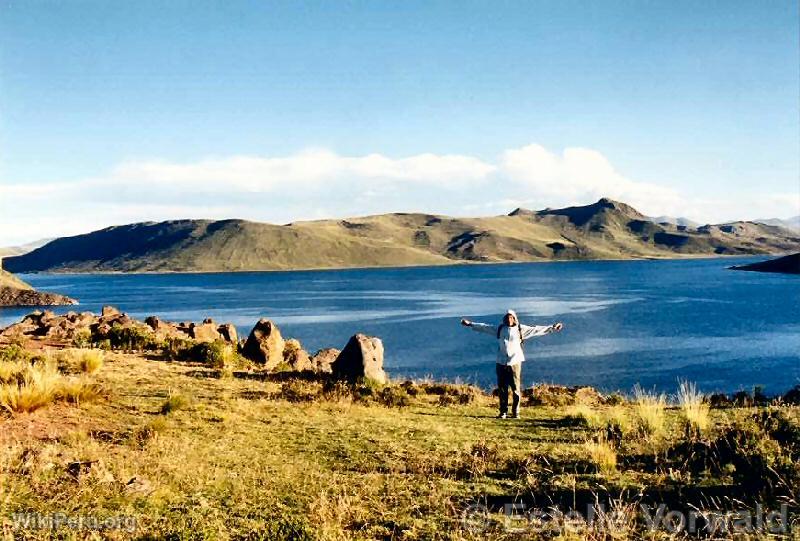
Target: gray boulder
<point>362,357</point>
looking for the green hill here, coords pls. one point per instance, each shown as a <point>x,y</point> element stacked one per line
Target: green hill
<point>604,230</point>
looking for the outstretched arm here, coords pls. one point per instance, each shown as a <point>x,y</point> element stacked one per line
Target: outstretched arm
<point>529,331</point>
<point>480,327</point>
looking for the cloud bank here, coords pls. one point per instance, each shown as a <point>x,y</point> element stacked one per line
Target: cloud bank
<point>319,183</point>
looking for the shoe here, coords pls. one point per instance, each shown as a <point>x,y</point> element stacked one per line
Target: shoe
<point>515,415</point>
<point>502,416</point>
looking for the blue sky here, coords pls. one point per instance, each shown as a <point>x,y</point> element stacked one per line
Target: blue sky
<point>117,112</point>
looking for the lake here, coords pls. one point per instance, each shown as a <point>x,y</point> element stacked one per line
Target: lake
<point>625,322</point>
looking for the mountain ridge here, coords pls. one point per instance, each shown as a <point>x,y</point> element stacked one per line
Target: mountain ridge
<point>606,229</point>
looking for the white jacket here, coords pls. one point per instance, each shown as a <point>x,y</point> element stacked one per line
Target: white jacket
<point>509,344</point>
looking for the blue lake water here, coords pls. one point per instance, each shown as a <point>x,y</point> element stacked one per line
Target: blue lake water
<point>626,322</point>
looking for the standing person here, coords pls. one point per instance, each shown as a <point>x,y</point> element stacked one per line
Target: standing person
<point>510,335</point>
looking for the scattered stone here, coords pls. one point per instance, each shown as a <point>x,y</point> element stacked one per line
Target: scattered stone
<point>323,360</point>
<point>264,344</point>
<point>362,357</point>
<point>204,332</point>
<point>139,486</point>
<point>296,357</point>
<point>109,311</point>
<point>228,333</point>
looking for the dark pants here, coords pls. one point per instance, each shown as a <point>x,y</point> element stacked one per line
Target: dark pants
<point>509,376</point>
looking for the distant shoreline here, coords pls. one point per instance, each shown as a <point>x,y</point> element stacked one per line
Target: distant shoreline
<point>399,267</point>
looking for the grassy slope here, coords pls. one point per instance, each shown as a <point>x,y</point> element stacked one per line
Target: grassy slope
<point>604,230</point>
<point>9,280</point>
<point>237,461</point>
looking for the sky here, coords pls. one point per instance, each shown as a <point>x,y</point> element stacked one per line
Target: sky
<point>119,112</point>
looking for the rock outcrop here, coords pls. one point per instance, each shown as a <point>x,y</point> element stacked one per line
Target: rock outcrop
<point>362,357</point>
<point>265,344</point>
<point>789,264</point>
<point>112,324</point>
<point>15,292</point>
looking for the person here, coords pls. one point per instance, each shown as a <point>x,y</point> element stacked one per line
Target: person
<point>510,336</point>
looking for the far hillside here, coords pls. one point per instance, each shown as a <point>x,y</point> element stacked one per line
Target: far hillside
<point>603,230</point>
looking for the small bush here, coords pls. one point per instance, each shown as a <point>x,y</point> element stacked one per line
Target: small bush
<point>650,410</point>
<point>90,361</point>
<point>394,397</point>
<point>149,431</point>
<point>298,390</point>
<point>132,338</point>
<point>174,402</point>
<point>82,338</point>
<point>215,354</point>
<point>13,353</point>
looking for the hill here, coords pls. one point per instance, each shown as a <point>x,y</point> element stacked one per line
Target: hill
<point>603,230</point>
<point>23,248</point>
<point>789,223</point>
<point>789,264</point>
<point>15,292</point>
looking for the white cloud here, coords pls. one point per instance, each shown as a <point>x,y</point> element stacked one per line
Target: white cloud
<point>319,183</point>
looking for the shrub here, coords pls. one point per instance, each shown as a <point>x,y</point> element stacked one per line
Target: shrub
<point>174,402</point>
<point>650,411</point>
<point>90,361</point>
<point>149,431</point>
<point>82,338</point>
<point>12,353</point>
<point>298,390</point>
<point>394,397</point>
<point>695,408</point>
<point>215,354</point>
<point>131,338</point>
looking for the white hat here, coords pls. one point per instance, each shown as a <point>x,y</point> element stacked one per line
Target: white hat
<point>511,312</point>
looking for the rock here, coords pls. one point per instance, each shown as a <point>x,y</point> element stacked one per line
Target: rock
<point>228,333</point>
<point>264,344</point>
<point>153,322</point>
<point>204,332</point>
<point>362,357</point>
<point>13,296</point>
<point>324,358</point>
<point>109,311</point>
<point>295,356</point>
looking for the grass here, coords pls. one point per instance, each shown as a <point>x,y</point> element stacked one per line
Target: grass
<point>90,361</point>
<point>602,454</point>
<point>27,385</point>
<point>175,401</point>
<point>695,407</point>
<point>259,457</point>
<point>650,409</point>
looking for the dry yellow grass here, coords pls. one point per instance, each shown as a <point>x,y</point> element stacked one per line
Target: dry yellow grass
<point>248,460</point>
<point>694,406</point>
<point>650,409</point>
<point>90,361</point>
<point>36,387</point>
<point>602,454</point>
